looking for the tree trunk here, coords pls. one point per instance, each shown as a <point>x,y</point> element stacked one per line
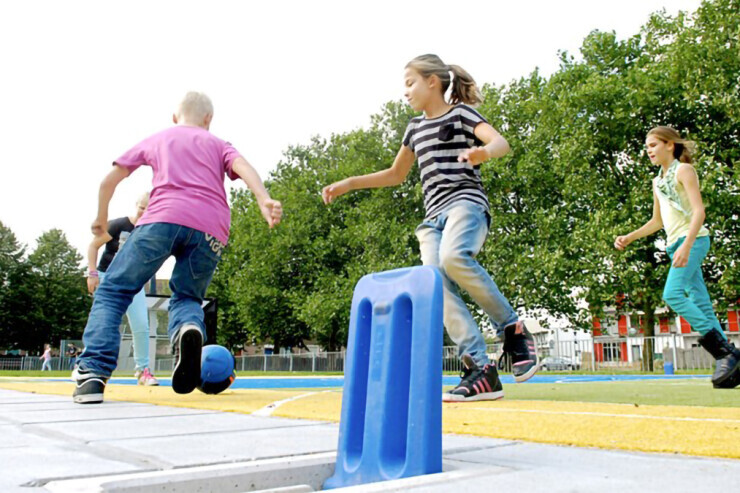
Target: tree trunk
<point>648,329</point>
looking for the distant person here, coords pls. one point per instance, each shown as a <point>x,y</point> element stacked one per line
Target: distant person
<point>137,313</point>
<point>188,217</point>
<point>679,210</point>
<point>46,358</point>
<point>451,140</point>
<point>72,353</point>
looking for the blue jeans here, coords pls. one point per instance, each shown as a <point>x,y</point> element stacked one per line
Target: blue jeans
<point>138,319</point>
<point>450,241</point>
<point>685,291</point>
<point>196,255</point>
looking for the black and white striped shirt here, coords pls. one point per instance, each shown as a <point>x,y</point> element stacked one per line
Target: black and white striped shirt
<point>437,142</point>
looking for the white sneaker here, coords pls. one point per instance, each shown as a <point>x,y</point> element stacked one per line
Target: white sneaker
<point>145,377</point>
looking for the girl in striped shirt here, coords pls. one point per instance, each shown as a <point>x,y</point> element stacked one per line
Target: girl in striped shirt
<point>451,140</point>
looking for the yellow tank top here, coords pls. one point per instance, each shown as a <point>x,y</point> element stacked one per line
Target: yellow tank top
<point>675,222</point>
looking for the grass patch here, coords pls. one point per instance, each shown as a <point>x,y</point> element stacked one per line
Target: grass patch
<point>692,392</point>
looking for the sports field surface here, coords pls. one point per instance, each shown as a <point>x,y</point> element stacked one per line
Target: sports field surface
<point>679,414</point>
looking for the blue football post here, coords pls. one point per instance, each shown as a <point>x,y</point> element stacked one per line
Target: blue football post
<point>391,421</point>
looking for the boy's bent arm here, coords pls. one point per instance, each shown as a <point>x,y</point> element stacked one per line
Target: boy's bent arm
<point>107,187</point>
<point>271,209</point>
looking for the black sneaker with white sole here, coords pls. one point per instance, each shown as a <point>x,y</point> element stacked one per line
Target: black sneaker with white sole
<point>519,345</point>
<point>89,387</point>
<point>476,384</point>
<point>187,348</point>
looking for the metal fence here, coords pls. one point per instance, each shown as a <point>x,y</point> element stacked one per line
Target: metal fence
<point>593,354</point>
<point>33,363</point>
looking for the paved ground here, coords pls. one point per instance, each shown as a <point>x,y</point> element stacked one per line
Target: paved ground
<point>49,444</point>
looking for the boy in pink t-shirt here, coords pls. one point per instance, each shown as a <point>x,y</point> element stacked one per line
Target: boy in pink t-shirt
<point>188,217</point>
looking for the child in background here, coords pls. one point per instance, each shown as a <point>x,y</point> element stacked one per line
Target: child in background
<point>138,316</point>
<point>188,217</point>
<point>46,358</point>
<point>678,208</point>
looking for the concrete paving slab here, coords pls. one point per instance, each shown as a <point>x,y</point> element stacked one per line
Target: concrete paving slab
<point>105,411</point>
<point>56,443</point>
<point>161,426</point>
<point>579,469</point>
<point>215,448</point>
<point>38,463</point>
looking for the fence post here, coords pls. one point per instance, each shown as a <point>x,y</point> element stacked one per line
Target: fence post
<point>313,362</point>
<point>675,357</point>
<point>264,364</point>
<point>291,362</point>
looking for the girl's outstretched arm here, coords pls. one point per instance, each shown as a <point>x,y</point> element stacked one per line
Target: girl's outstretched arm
<point>650,227</point>
<point>107,188</point>
<point>395,175</point>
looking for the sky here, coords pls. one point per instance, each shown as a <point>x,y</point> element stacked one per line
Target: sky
<point>86,80</point>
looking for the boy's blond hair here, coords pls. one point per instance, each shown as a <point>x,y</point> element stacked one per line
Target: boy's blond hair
<point>194,107</point>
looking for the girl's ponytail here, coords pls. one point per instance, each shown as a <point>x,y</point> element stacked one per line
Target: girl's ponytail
<point>464,89</point>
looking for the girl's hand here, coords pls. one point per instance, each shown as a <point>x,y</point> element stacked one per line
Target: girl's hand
<point>681,257</point>
<point>99,226</point>
<point>272,211</point>
<point>621,242</point>
<point>474,155</point>
<point>331,192</point>
<point>92,284</point>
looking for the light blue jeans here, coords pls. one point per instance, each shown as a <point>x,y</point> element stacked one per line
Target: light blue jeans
<point>138,319</point>
<point>196,256</point>
<point>450,241</point>
<point>685,291</point>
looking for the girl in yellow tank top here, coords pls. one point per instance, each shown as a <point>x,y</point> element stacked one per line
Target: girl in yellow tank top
<point>678,208</point>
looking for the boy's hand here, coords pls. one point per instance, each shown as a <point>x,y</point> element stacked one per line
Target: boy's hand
<point>331,192</point>
<point>621,242</point>
<point>272,211</point>
<point>474,155</point>
<point>99,226</point>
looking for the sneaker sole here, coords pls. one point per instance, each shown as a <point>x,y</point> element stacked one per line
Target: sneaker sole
<point>88,399</point>
<point>720,381</point>
<point>526,376</point>
<point>186,376</point>
<point>487,396</point>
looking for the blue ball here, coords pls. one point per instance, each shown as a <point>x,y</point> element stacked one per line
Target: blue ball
<point>217,367</point>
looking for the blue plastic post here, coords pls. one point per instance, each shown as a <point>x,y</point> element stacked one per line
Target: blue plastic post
<point>391,422</point>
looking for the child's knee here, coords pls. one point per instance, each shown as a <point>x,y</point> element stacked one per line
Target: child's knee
<point>673,297</point>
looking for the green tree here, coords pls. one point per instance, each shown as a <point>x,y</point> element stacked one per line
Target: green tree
<point>295,282</point>
<point>60,300</point>
<point>577,176</point>
<point>16,290</point>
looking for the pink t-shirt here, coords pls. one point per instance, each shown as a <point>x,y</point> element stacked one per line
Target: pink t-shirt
<point>189,164</point>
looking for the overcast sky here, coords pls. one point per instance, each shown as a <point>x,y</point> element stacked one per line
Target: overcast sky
<point>83,81</point>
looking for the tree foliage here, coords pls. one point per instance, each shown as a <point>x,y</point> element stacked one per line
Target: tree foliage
<point>577,176</point>
<point>43,297</point>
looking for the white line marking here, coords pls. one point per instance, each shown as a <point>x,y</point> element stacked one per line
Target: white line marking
<point>605,415</point>
<point>270,408</point>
